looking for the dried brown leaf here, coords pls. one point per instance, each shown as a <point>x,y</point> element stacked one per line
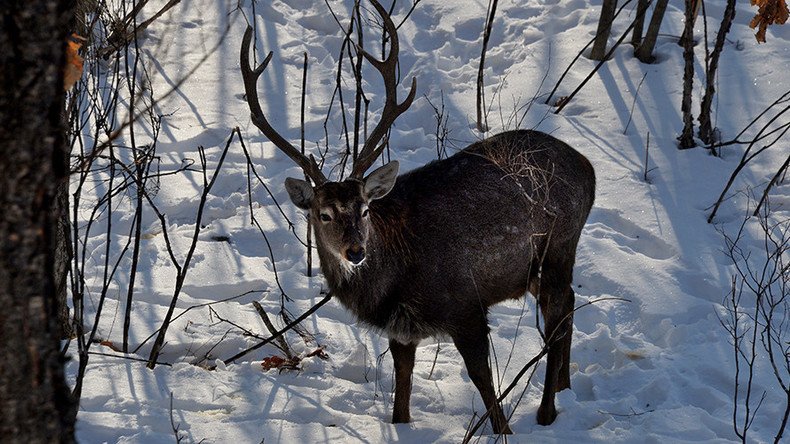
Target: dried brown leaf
<point>73,69</point>
<point>769,12</point>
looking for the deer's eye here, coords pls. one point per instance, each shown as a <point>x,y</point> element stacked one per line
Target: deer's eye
<point>325,217</point>
<point>365,212</point>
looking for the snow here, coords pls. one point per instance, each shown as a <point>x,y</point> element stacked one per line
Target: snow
<point>651,363</point>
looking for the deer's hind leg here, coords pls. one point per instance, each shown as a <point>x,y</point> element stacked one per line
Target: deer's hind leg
<point>556,301</point>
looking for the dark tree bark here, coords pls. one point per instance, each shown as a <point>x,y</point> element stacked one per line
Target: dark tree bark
<point>705,125</point>
<point>482,122</point>
<point>690,33</point>
<point>641,12</point>
<point>645,51</point>
<point>604,29</point>
<point>686,138</point>
<point>62,247</point>
<point>34,397</point>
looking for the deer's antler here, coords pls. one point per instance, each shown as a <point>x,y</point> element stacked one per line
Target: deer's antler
<point>251,75</point>
<point>392,109</point>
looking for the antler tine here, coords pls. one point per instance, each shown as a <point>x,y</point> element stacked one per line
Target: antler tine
<point>387,67</point>
<point>251,76</point>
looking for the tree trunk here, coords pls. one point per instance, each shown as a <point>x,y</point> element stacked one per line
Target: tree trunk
<point>705,125</point>
<point>645,51</point>
<point>482,120</point>
<point>34,397</point>
<point>62,246</point>
<point>604,29</point>
<point>686,138</point>
<point>690,33</point>
<point>641,12</point>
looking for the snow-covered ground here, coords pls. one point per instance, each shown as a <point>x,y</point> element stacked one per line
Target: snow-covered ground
<point>653,366</point>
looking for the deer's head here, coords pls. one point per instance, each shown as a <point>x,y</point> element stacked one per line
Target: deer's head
<point>339,210</point>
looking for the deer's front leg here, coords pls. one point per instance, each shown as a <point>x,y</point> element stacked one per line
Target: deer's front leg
<point>403,356</point>
<point>472,343</point>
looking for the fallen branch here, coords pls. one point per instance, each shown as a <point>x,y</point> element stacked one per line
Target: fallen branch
<point>266,321</point>
<point>282,331</point>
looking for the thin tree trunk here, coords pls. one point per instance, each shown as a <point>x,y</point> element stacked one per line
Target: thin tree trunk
<point>705,125</point>
<point>34,397</point>
<point>645,51</point>
<point>686,138</point>
<point>604,29</point>
<point>482,122</point>
<point>641,9</point>
<point>302,140</point>
<point>690,34</point>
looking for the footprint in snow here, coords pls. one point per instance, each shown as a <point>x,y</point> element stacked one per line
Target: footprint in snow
<point>605,223</point>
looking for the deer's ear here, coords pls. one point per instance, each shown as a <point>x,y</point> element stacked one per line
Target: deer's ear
<point>300,191</point>
<point>381,181</point>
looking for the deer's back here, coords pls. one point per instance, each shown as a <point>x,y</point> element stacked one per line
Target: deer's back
<point>515,186</point>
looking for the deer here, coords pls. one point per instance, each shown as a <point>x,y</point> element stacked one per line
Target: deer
<point>426,253</point>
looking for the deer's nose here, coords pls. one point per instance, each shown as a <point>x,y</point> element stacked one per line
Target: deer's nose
<point>355,255</point>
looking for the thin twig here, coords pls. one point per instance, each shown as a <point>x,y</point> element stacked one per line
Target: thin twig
<point>633,104</point>
<point>773,181</point>
<point>128,358</point>
<point>173,424</point>
<point>190,308</point>
<point>736,140</point>
<point>435,358</point>
<point>748,156</point>
<point>246,331</point>
<point>647,159</point>
<point>182,269</point>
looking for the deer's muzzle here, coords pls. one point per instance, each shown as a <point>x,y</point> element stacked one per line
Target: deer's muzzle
<point>355,254</point>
